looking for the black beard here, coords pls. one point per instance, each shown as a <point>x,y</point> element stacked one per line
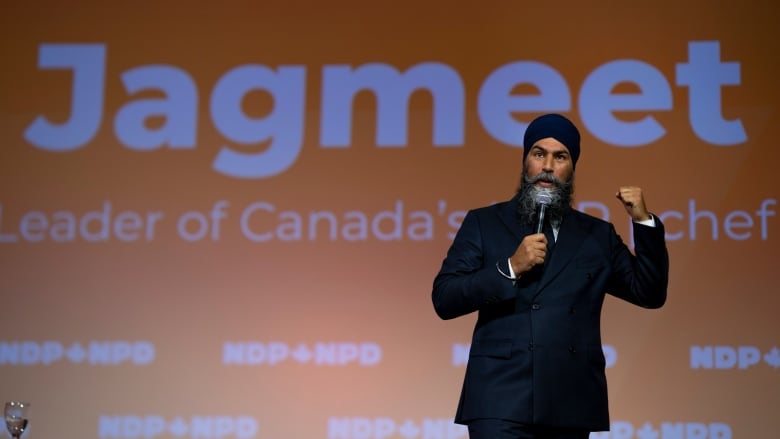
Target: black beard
<point>560,194</point>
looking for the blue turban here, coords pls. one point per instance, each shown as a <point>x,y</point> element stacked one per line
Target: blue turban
<point>557,127</point>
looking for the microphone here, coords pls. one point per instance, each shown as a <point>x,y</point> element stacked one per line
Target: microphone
<point>543,199</point>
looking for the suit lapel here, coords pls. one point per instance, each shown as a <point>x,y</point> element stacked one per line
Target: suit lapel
<point>571,235</point>
<point>508,215</point>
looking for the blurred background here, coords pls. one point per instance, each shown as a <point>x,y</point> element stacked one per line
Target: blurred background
<point>224,220</point>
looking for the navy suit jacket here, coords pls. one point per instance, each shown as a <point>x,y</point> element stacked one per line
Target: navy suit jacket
<point>536,354</point>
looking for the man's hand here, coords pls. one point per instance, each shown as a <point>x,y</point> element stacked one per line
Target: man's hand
<point>529,253</point>
<point>634,202</point>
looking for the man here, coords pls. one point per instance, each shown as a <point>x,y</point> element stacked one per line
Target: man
<point>536,366</point>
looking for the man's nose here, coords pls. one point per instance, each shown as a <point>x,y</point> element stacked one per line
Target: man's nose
<point>548,163</point>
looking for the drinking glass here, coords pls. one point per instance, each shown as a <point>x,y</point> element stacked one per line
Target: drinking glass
<point>17,415</point>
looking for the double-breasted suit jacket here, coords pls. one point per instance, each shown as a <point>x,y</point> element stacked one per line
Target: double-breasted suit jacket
<point>536,354</point>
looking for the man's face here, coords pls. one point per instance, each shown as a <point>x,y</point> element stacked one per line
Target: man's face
<point>549,168</point>
<point>551,156</point>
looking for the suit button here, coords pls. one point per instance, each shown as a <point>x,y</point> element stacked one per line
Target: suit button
<point>572,350</point>
<point>572,310</point>
<point>535,306</point>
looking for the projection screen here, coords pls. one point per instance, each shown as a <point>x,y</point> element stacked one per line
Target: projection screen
<point>222,220</point>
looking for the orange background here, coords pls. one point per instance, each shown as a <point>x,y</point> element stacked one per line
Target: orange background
<point>189,298</point>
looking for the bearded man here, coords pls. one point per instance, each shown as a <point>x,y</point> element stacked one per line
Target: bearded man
<point>536,367</point>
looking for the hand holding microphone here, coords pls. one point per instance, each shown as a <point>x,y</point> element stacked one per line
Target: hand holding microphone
<point>532,251</point>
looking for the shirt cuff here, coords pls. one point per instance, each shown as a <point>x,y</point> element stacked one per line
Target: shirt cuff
<point>649,222</point>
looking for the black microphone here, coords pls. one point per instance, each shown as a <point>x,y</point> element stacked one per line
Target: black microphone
<point>543,199</point>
